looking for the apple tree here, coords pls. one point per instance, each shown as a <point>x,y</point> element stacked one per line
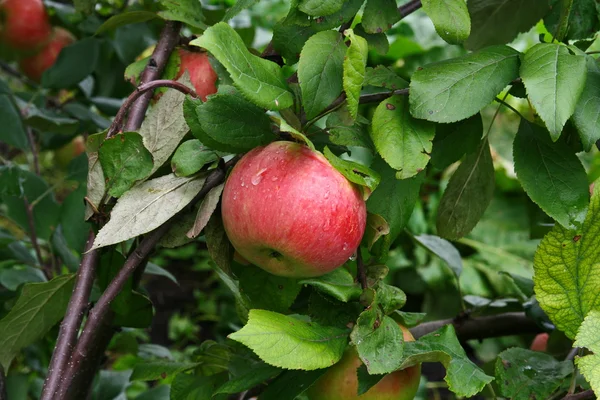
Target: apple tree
<point>426,210</point>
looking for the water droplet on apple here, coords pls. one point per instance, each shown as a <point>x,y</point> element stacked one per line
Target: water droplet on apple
<point>345,247</point>
<point>274,178</point>
<point>353,257</point>
<point>243,184</point>
<point>258,177</point>
<point>326,194</point>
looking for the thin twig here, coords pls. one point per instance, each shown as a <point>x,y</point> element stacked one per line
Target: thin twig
<point>375,97</point>
<point>69,328</point>
<point>409,8</point>
<point>586,394</point>
<point>34,151</point>
<point>33,236</point>
<point>511,323</point>
<point>139,92</point>
<point>360,270</point>
<point>16,74</point>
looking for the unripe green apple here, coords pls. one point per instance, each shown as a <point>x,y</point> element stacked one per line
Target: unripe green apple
<point>288,211</point>
<point>25,25</point>
<point>35,65</point>
<point>64,155</point>
<point>340,382</point>
<point>202,75</point>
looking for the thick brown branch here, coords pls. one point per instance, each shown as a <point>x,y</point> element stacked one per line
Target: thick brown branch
<point>586,394</point>
<point>512,323</point>
<point>139,92</point>
<point>69,328</point>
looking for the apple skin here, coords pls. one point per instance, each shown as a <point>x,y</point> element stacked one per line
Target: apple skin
<point>288,211</point>
<point>340,382</point>
<point>540,342</point>
<point>202,75</point>
<point>35,65</point>
<point>64,155</point>
<point>25,24</point>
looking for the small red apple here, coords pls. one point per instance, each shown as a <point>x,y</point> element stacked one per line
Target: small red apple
<point>202,75</point>
<point>340,382</point>
<point>288,211</point>
<point>35,65</point>
<point>540,342</point>
<point>64,155</point>
<point>25,24</point>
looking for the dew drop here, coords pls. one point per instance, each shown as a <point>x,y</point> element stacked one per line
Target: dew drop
<point>352,257</point>
<point>274,178</point>
<point>345,247</point>
<point>243,184</point>
<point>326,194</point>
<point>258,177</point>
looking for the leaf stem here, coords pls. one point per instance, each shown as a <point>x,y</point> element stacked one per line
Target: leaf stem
<point>33,237</point>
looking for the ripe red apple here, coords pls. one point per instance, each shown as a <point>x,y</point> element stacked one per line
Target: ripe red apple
<point>202,75</point>
<point>540,342</point>
<point>64,155</point>
<point>35,65</point>
<point>288,211</point>
<point>340,382</point>
<point>25,24</point>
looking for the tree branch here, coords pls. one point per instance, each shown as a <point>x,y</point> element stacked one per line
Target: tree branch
<point>376,97</point>
<point>586,394</point>
<point>409,8</point>
<point>16,74</point>
<point>139,92</point>
<point>33,237</point>
<point>511,323</point>
<point>31,139</point>
<point>169,38</point>
<point>69,328</point>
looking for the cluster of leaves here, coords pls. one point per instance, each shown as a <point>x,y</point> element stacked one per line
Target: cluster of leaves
<point>394,129</point>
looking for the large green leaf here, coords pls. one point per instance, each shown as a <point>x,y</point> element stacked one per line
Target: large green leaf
<point>355,64</point>
<point>320,71</point>
<point>259,80</point>
<point>580,22</point>
<point>290,343</point>
<point>73,64</point>
<point>587,112</point>
<point>437,91</point>
<point>339,284</point>
<point>451,19</point>
<point>468,194</point>
<point>588,337</point>
<point>551,174</point>
<point>12,132</point>
<point>380,15</point>
<point>187,11</point>
<point>39,307</point>
<point>554,79</point>
<point>318,8</point>
<point>567,271</point>
<point>500,21</point>
<point>453,141</point>
<point>403,141</point>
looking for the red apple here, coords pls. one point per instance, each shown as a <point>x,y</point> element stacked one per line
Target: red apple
<point>340,382</point>
<point>64,155</point>
<point>25,24</point>
<point>540,342</point>
<point>288,211</point>
<point>35,65</point>
<point>202,75</point>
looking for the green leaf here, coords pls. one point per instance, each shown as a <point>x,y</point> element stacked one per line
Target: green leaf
<point>376,228</point>
<point>551,174</point>
<point>378,42</point>
<point>588,337</point>
<point>390,298</point>
<point>153,269</point>
<point>49,121</point>
<point>378,340</point>
<point>380,15</point>
<point>238,7</point>
<point>267,291</point>
<point>554,79</point>
<point>437,91</point>
<point>587,112</point>
<point>467,195</point>
<point>339,284</point>
<point>394,200</point>
<point>84,6</point>
<point>444,250</point>
<point>291,384</point>
<point>206,210</point>
<point>73,64</point>
<point>124,161</point>
<point>452,141</point>
<point>580,21</point>
<point>230,119</point>
<point>191,156</point>
<point>187,11</point>
<point>355,63</point>
<point>126,18</point>
<point>12,132</point>
<point>403,141</point>
<point>354,172</point>
<point>344,131</point>
<point>320,71</point>
<point>318,8</point>
<point>498,22</point>
<point>138,312</point>
<point>39,307</point>
<point>188,387</point>
<point>566,271</point>
<point>147,206</point>
<point>254,377</point>
<point>524,374</point>
<point>408,319</point>
<point>290,343</point>
<point>463,377</point>
<point>154,370</point>
<point>451,19</point>
<point>259,80</point>
<point>385,77</point>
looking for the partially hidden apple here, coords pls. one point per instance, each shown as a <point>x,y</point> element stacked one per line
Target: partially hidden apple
<point>35,65</point>
<point>288,211</point>
<point>340,382</point>
<point>64,155</point>
<point>540,342</point>
<point>202,75</point>
<point>24,24</point>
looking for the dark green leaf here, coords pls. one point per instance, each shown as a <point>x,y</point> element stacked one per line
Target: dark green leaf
<point>452,141</point>
<point>73,64</point>
<point>186,11</point>
<point>154,370</point>
<point>187,387</point>
<point>12,132</point>
<point>138,314</point>
<point>380,15</point>
<point>378,42</point>
<point>239,6</point>
<point>121,19</point>
<point>586,116</point>
<point>579,23</point>
<point>49,121</point>
<point>318,8</point>
<point>384,77</point>
<point>444,250</point>
<point>344,131</point>
<point>12,278</point>
<point>291,384</point>
<point>254,377</point>
<point>451,19</point>
<point>339,284</point>
<point>354,172</point>
<point>390,298</point>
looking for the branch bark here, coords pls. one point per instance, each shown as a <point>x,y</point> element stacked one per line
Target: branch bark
<point>409,8</point>
<point>33,237</point>
<point>586,394</point>
<point>512,323</point>
<point>69,328</point>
